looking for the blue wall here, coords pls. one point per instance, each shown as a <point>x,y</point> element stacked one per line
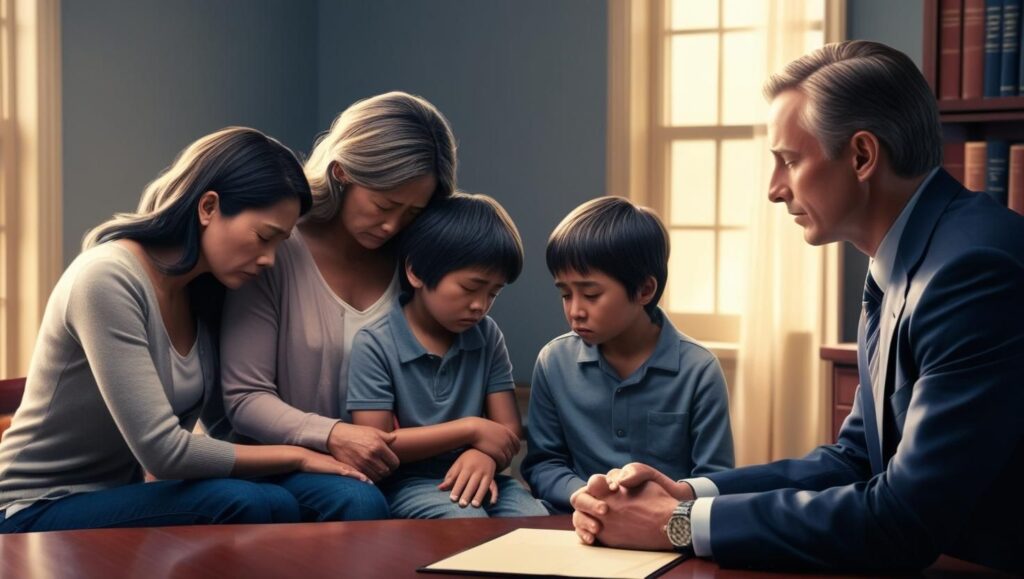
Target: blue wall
<point>143,79</point>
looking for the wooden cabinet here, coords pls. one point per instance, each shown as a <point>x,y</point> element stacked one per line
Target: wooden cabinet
<point>842,361</point>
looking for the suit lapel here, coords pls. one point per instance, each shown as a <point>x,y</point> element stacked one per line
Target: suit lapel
<point>911,250</point>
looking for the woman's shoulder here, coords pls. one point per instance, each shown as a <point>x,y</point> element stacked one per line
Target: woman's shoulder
<point>106,265</point>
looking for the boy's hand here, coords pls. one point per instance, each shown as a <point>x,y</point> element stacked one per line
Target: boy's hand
<point>470,478</point>
<point>495,440</point>
<point>636,474</point>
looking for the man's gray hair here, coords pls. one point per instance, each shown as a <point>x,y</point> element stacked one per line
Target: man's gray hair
<point>860,85</point>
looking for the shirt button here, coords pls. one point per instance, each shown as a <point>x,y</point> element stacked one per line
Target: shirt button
<point>620,433</point>
<point>618,390</point>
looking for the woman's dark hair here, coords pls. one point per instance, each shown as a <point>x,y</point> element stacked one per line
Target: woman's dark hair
<point>247,170</point>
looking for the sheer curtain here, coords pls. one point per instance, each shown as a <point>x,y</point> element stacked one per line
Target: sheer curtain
<point>777,398</point>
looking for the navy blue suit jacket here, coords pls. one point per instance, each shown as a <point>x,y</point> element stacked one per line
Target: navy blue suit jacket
<point>952,343</point>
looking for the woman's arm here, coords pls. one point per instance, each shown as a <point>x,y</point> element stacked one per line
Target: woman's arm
<point>253,461</point>
<point>420,442</point>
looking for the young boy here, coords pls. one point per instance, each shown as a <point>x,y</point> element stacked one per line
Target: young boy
<point>438,364</point>
<point>625,385</point>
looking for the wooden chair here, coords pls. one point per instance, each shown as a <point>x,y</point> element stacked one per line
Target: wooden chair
<point>11,392</point>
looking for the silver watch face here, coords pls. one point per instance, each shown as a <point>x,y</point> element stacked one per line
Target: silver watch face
<point>679,532</point>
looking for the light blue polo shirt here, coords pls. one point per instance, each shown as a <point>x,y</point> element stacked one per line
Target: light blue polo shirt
<point>671,413</point>
<point>390,370</point>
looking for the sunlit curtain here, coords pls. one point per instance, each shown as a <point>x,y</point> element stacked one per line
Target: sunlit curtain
<point>776,399</point>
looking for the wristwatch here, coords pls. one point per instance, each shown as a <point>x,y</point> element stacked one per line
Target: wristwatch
<point>680,534</point>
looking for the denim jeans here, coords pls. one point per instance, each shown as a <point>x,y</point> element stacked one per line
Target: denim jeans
<point>328,497</point>
<point>412,493</point>
<point>161,503</point>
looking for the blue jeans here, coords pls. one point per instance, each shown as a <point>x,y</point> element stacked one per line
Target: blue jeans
<point>412,494</point>
<point>161,503</point>
<point>328,497</point>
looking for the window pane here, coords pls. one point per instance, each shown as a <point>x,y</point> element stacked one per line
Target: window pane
<point>694,87</point>
<point>813,40</point>
<point>693,183</point>
<point>732,272</point>
<point>814,10</point>
<point>741,162</point>
<point>691,272</point>
<point>690,15</point>
<point>736,13</point>
<point>743,75</point>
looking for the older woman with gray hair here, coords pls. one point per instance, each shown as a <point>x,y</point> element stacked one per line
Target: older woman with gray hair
<point>286,336</point>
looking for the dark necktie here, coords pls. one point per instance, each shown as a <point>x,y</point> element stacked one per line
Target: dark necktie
<point>872,317</point>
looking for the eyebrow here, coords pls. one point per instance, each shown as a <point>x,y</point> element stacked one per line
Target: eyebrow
<point>390,200</point>
<point>481,280</point>
<point>782,151</point>
<point>585,284</point>
<point>278,230</point>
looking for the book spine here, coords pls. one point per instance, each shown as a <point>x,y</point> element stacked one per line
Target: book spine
<point>951,17</point>
<point>973,50</point>
<point>1015,188</point>
<point>953,159</point>
<point>1010,58</point>
<point>993,46</point>
<point>974,165</point>
<point>997,165</point>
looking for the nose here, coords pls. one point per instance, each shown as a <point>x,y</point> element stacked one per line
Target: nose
<point>779,191</point>
<point>576,311</point>
<point>390,226</point>
<point>266,259</point>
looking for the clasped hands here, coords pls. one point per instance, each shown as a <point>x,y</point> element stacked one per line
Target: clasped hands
<point>628,507</point>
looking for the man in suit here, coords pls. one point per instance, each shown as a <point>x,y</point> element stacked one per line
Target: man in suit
<point>930,458</point>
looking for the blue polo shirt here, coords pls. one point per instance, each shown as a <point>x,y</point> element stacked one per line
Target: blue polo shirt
<point>390,370</point>
<point>671,413</point>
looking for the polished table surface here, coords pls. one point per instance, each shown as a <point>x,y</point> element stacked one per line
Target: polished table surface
<point>359,549</point>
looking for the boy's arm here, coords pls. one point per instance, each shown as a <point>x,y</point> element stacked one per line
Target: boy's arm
<point>420,442</point>
<point>547,466</point>
<point>711,433</point>
<point>502,408</point>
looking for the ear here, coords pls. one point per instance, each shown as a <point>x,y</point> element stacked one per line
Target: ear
<point>413,280</point>
<point>646,292</point>
<point>338,173</point>
<point>866,153</point>
<point>209,203</point>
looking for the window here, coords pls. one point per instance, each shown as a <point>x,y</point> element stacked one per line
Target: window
<point>30,176</point>
<point>703,128</point>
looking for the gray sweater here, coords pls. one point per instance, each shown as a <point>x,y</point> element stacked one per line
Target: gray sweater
<point>96,410</point>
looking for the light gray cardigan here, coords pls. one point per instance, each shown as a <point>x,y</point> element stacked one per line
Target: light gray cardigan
<point>97,409</point>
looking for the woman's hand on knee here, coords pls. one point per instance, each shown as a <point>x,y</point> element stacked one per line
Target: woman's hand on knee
<point>318,462</point>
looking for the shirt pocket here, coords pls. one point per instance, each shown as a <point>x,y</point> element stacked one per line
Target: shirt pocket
<point>668,440</point>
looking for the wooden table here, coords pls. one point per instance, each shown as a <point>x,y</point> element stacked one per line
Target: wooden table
<point>391,549</point>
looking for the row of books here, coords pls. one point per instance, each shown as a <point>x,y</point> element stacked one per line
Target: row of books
<point>979,49</point>
<point>994,166</point>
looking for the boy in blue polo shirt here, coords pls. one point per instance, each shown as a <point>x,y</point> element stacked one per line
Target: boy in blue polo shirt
<point>625,385</point>
<point>438,364</point>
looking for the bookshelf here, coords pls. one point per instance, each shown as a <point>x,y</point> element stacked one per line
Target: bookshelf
<point>968,119</point>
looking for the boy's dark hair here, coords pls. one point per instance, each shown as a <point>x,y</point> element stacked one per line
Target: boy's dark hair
<point>463,230</point>
<point>612,235</point>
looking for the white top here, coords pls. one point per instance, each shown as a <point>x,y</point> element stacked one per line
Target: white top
<point>187,376</point>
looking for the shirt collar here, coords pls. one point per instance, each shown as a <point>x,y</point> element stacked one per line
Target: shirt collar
<point>409,348</point>
<point>885,258</point>
<point>666,354</point>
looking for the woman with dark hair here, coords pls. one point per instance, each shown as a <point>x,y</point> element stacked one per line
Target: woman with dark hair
<point>126,360</point>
